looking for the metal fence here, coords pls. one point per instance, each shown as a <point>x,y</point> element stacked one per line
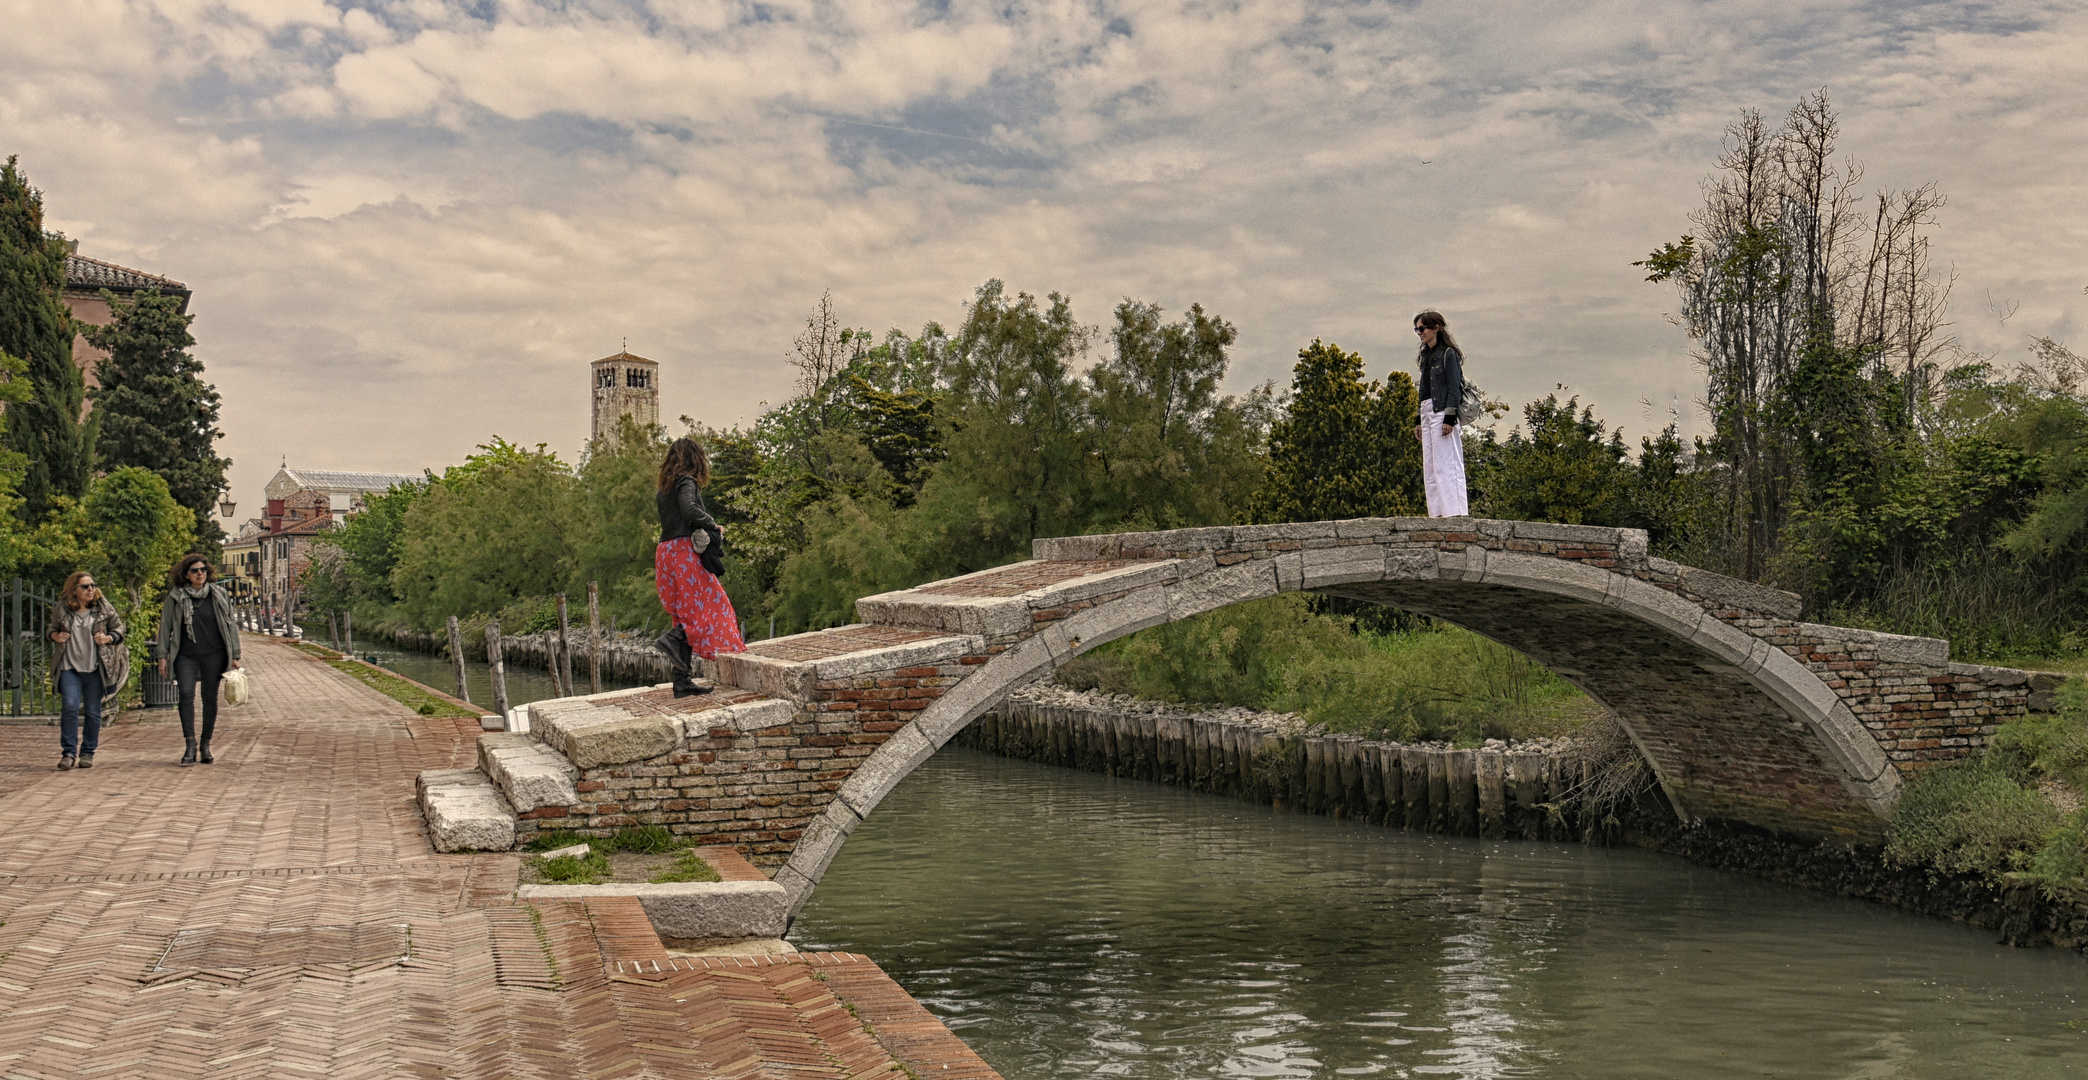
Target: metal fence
<point>26,665</point>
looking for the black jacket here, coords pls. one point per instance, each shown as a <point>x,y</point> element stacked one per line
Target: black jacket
<point>682,514</point>
<point>1442,379</point>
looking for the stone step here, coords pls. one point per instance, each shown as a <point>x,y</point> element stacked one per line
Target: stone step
<point>465,811</point>
<point>529,773</point>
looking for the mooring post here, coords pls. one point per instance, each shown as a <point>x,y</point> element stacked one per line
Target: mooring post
<point>457,658</point>
<point>493,661</point>
<point>594,637</point>
<point>348,630</point>
<point>562,664</point>
<point>333,629</point>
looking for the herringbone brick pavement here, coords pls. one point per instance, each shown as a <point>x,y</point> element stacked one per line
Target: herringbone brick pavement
<point>281,914</point>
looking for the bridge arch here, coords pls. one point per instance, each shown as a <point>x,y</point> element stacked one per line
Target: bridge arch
<point>1704,672</point>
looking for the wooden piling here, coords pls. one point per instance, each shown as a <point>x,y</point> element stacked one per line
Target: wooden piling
<point>348,630</point>
<point>1493,781</point>
<point>594,637</point>
<point>456,644</point>
<point>499,668</point>
<point>562,664</point>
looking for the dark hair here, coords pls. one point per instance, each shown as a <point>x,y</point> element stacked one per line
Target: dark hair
<point>1434,319</point>
<point>70,595</point>
<point>181,569</point>
<point>685,458</point>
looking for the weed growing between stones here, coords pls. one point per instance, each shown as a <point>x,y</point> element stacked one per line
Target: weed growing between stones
<point>623,856</point>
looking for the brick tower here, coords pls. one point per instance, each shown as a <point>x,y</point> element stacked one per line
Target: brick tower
<point>624,385</point>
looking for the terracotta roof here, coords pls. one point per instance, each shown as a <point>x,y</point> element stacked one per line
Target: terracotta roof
<point>85,273</point>
<point>626,357</point>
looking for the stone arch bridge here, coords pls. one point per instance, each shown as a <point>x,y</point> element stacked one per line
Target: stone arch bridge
<point>1745,712</point>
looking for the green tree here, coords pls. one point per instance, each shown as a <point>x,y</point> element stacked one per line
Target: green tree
<point>1343,448</point>
<point>45,426</point>
<point>153,409</point>
<point>1566,467</point>
<point>139,527</point>
<point>491,531</point>
<point>1170,452</point>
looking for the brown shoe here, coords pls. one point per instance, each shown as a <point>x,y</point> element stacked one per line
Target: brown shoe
<point>67,761</point>
<point>86,761</point>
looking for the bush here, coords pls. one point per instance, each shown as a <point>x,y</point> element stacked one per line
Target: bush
<point>1975,816</point>
<point>1432,681</point>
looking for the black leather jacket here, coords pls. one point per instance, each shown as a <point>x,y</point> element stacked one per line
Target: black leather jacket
<point>682,512</point>
<point>1442,380</point>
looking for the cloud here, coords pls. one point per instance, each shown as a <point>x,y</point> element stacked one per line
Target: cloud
<point>410,223</point>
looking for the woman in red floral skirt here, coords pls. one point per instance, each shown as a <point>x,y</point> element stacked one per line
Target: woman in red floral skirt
<point>687,564</point>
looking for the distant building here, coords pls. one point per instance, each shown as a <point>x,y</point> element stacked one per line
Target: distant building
<point>275,548</point>
<point>344,491</point>
<point>624,385</point>
<point>85,279</point>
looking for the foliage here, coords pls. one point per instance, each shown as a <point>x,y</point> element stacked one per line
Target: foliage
<point>44,425</point>
<point>1343,448</point>
<point>153,409</point>
<point>138,526</point>
<point>1428,683</point>
<point>488,531</point>
<point>1558,467</point>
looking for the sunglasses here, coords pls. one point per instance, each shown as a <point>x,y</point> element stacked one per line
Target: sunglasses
<point>89,585</point>
<point>1420,329</point>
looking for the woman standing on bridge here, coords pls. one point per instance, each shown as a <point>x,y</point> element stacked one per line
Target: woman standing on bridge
<point>686,566</point>
<point>1442,391</point>
<point>199,639</point>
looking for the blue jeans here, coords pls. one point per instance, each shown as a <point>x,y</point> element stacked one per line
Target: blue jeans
<point>77,689</point>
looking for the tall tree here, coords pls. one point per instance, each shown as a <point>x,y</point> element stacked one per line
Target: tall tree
<point>1343,448</point>
<point>153,409</point>
<point>34,325</point>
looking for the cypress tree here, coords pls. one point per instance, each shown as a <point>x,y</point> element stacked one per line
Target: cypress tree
<point>34,325</point>
<point>1344,448</point>
<point>153,410</point>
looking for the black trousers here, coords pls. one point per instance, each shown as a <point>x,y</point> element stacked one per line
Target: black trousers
<point>192,671</point>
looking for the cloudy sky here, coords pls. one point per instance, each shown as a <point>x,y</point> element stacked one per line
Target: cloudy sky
<point>411,223</point>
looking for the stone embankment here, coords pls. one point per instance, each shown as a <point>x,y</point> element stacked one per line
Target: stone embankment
<point>1544,790</point>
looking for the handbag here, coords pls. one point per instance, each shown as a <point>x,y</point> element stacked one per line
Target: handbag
<point>713,554</point>
<point>1472,404</point>
<point>237,689</point>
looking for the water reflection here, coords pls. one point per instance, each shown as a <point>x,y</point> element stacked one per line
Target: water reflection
<point>524,684</point>
<point>1070,925</point>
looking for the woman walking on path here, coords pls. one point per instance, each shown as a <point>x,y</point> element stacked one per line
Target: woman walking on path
<point>1442,391</point>
<point>686,566</point>
<point>199,639</point>
<point>89,664</point>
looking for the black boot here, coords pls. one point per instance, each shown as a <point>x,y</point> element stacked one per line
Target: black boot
<point>674,644</point>
<point>203,752</point>
<point>188,755</point>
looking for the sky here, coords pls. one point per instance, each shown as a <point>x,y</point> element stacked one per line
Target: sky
<point>410,224</point>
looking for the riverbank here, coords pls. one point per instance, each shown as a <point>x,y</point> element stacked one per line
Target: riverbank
<point>627,656</point>
<point>1588,790</point>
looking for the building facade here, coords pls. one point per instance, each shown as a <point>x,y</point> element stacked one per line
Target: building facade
<point>272,552</point>
<point>623,385</point>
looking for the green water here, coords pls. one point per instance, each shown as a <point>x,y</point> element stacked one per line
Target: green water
<point>1071,925</point>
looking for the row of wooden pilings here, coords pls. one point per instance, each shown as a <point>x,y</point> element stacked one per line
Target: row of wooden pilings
<point>1495,793</point>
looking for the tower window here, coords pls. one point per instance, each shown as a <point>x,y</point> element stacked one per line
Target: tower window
<point>638,379</point>
<point>606,378</point>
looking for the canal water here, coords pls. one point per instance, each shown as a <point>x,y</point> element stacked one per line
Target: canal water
<point>524,684</point>
<point>1069,925</point>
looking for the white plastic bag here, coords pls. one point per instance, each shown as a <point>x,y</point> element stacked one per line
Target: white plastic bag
<point>237,689</point>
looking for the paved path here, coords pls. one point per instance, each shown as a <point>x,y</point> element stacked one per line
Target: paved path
<point>281,914</point>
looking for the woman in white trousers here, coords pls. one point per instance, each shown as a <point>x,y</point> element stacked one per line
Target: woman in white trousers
<point>1442,390</point>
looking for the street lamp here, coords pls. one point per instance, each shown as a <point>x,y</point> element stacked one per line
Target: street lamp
<point>226,507</point>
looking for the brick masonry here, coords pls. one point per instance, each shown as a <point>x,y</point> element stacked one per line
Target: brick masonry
<point>1745,711</point>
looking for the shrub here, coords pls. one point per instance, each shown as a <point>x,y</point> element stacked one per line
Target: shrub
<point>1975,816</point>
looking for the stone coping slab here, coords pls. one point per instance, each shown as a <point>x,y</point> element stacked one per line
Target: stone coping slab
<point>796,679</point>
<point>529,773</point>
<point>591,735</point>
<point>692,910</point>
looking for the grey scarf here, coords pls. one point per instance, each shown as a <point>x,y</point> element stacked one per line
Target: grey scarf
<point>188,609</point>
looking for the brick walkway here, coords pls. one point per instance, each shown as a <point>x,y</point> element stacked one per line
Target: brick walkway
<point>280,914</point>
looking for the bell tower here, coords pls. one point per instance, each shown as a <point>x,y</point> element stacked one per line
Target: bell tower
<point>623,385</point>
